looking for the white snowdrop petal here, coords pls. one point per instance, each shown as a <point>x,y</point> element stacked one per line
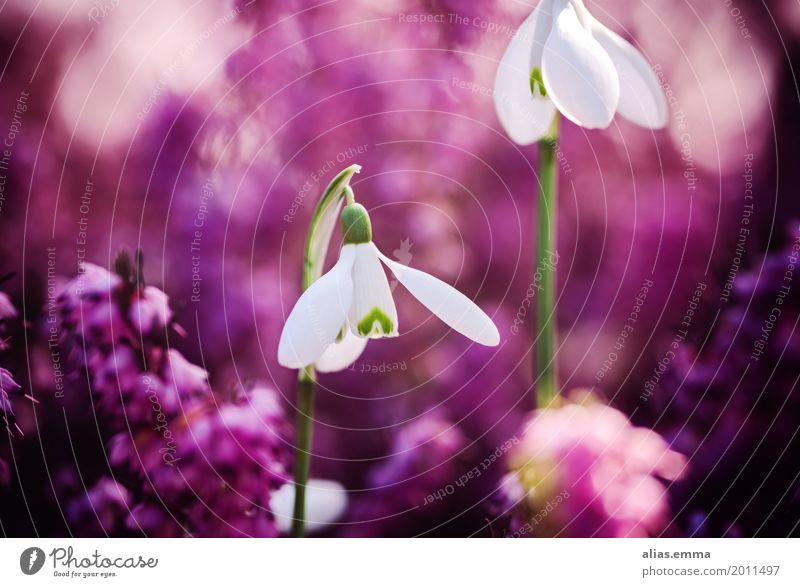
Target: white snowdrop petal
<point>318,315</point>
<point>525,118</point>
<point>373,313</point>
<point>450,305</point>
<point>578,74</point>
<point>326,501</point>
<point>640,100</point>
<point>342,354</point>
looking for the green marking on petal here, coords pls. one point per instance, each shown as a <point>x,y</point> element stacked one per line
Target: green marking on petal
<point>375,315</point>
<point>537,83</point>
<point>340,336</point>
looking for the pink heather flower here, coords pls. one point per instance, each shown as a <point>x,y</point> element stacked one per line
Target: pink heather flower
<point>88,308</point>
<point>149,312</point>
<point>584,470</point>
<point>7,313</point>
<point>124,456</point>
<point>7,382</point>
<point>101,511</point>
<point>118,326</point>
<point>7,386</point>
<point>127,397</point>
<point>92,284</point>
<point>117,369</point>
<point>153,520</point>
<point>426,455</point>
<point>101,308</point>
<point>420,448</point>
<point>186,378</point>
<point>7,309</point>
<point>212,472</point>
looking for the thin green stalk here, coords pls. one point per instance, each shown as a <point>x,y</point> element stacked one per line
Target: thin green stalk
<point>305,417</point>
<point>546,323</point>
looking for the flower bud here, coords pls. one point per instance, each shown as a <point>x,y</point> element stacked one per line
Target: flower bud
<point>356,226</point>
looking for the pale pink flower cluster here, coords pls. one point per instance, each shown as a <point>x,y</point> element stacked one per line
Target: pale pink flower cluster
<point>582,469</point>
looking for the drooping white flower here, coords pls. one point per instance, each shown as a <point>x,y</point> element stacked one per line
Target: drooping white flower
<point>339,312</point>
<point>563,58</point>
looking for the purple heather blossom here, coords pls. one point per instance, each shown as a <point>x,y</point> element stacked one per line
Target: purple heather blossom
<point>186,378</point>
<point>88,308</point>
<point>99,307</point>
<point>426,455</point>
<point>141,388</point>
<point>7,309</point>
<point>149,311</point>
<point>192,463</point>
<point>101,510</point>
<point>136,381</point>
<point>92,285</point>
<point>583,470</point>
<point>7,386</point>
<point>738,394</point>
<point>7,383</point>
<point>151,519</point>
<point>212,472</point>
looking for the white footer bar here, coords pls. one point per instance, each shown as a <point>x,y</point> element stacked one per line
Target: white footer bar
<point>389,562</point>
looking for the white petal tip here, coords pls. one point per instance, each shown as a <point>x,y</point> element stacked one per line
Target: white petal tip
<point>326,501</point>
<point>291,362</point>
<point>490,338</point>
<point>341,355</point>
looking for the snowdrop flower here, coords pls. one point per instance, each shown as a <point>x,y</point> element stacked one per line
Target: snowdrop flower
<point>564,59</point>
<point>339,312</point>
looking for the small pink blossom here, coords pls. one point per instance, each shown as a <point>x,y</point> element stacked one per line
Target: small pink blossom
<point>7,309</point>
<point>149,312</point>
<point>583,469</point>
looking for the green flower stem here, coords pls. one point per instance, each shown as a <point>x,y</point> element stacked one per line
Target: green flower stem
<point>349,196</point>
<point>546,323</point>
<point>302,463</point>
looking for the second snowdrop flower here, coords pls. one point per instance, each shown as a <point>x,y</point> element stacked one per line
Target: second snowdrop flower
<point>338,313</point>
<point>564,59</point>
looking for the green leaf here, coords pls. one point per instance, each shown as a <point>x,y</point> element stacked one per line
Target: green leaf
<point>322,223</point>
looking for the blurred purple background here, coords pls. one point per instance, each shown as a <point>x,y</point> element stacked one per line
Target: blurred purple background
<point>203,133</point>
